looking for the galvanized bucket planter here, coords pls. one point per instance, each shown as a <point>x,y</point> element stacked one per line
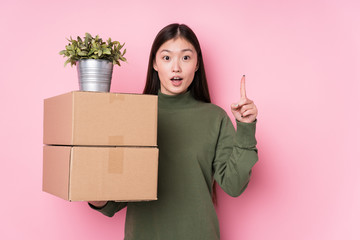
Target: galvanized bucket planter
<point>94,75</point>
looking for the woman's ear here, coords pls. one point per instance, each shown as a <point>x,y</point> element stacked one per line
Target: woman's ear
<point>197,67</point>
<point>154,65</point>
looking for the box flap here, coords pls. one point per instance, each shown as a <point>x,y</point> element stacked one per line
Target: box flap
<point>56,170</point>
<point>58,119</point>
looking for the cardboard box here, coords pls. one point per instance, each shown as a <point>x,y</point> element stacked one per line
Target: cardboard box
<point>101,173</point>
<point>101,119</point>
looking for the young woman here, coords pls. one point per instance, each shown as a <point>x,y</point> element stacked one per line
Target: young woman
<point>197,146</point>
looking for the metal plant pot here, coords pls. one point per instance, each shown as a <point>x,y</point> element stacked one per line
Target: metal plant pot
<point>94,75</point>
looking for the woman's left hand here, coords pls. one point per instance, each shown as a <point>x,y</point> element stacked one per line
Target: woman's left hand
<point>244,110</point>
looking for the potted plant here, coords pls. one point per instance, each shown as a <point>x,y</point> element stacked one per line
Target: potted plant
<point>94,59</point>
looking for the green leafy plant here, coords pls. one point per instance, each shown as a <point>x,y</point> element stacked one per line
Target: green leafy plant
<point>93,48</point>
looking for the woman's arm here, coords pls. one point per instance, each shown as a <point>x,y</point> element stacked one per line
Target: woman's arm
<point>235,155</point>
<point>236,152</point>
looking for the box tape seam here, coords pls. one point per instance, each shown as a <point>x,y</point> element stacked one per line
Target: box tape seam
<point>115,97</point>
<point>116,161</point>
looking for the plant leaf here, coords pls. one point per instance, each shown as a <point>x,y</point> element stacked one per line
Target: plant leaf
<point>122,59</point>
<point>83,53</point>
<point>67,61</point>
<point>107,51</point>
<point>91,52</point>
<point>62,52</point>
<point>117,62</point>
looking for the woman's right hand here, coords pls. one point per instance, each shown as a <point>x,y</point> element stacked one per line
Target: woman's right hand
<point>245,110</point>
<point>98,204</point>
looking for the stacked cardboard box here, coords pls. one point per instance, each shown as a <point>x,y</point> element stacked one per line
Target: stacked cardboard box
<point>100,146</point>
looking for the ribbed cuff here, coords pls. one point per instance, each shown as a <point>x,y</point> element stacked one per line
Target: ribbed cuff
<point>245,134</point>
<point>110,208</point>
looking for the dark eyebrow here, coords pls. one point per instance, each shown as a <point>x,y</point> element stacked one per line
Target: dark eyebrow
<point>184,50</point>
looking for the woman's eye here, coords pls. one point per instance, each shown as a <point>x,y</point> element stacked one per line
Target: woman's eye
<point>166,58</point>
<point>186,58</point>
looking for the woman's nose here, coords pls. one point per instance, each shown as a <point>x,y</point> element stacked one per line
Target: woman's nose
<point>176,66</point>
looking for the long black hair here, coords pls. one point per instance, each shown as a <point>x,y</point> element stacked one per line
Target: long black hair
<point>199,87</point>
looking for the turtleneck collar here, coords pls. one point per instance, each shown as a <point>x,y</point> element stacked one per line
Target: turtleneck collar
<point>183,100</point>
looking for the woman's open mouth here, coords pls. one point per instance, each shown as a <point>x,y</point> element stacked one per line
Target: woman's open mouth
<point>176,81</point>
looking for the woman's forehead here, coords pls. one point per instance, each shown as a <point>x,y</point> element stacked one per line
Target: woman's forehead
<point>177,45</point>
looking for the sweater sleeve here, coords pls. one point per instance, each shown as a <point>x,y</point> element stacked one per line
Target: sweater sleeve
<point>235,155</point>
<point>110,208</point>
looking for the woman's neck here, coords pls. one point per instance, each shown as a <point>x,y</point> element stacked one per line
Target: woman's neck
<point>183,100</point>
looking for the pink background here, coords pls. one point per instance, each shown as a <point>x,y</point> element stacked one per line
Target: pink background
<point>301,59</point>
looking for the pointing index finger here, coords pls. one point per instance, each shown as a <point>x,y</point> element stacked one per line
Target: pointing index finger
<point>242,87</point>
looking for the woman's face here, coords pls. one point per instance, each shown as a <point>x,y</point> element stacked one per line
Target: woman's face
<point>176,64</point>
